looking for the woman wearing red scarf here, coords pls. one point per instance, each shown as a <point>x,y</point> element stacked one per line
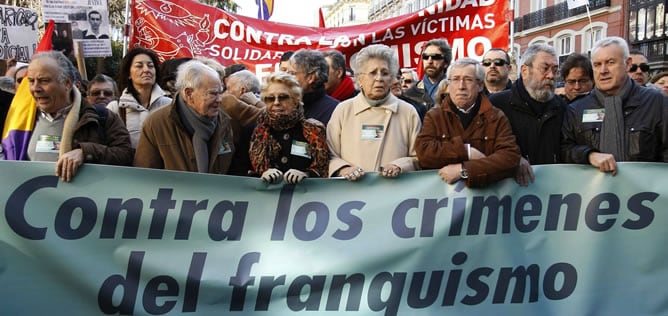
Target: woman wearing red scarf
<point>284,144</point>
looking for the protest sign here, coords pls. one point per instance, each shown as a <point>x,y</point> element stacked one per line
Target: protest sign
<point>138,241</point>
<point>86,21</point>
<point>18,36</point>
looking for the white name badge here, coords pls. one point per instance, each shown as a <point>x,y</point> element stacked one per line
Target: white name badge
<point>300,149</point>
<point>225,148</point>
<point>48,144</point>
<point>593,115</point>
<point>372,132</point>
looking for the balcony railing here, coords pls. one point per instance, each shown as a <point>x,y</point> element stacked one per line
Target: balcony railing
<point>554,13</point>
<point>655,50</point>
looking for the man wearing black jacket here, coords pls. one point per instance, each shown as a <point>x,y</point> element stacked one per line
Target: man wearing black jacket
<point>620,120</point>
<point>534,112</point>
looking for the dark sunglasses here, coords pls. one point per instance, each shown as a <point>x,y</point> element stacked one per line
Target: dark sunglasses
<point>497,62</point>
<point>270,99</point>
<point>644,67</point>
<point>408,80</point>
<point>433,57</point>
<point>102,93</point>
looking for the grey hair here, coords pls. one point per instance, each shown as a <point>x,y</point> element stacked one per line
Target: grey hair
<point>247,80</point>
<point>463,62</point>
<point>530,54</point>
<point>66,69</point>
<point>410,71</point>
<point>312,61</point>
<point>442,45</point>
<point>190,75</point>
<point>378,51</point>
<point>612,40</point>
<point>283,78</point>
<point>102,78</point>
<point>338,60</point>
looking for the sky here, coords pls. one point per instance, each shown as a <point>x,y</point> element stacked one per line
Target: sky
<point>299,12</point>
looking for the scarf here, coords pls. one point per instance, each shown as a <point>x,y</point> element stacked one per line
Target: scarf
<point>201,128</point>
<point>345,89</point>
<point>612,130</point>
<point>264,149</point>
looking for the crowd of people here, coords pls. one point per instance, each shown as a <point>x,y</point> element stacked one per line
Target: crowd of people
<point>314,117</point>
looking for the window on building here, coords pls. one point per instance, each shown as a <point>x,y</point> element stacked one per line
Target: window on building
<point>660,19</point>
<point>565,45</point>
<point>537,5</point>
<point>650,21</point>
<point>641,23</point>
<point>632,26</point>
<point>592,36</point>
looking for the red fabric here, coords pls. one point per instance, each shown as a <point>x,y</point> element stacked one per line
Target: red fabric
<point>344,90</point>
<point>45,44</point>
<point>321,18</point>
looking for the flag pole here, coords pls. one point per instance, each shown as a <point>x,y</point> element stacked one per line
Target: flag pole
<point>126,28</point>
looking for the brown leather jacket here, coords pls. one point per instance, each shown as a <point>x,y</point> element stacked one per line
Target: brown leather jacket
<point>442,142</point>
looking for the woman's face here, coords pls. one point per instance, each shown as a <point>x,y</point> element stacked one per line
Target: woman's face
<point>663,84</point>
<point>279,100</point>
<point>375,79</point>
<point>142,71</point>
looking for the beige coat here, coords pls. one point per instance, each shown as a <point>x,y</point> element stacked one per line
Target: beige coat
<point>351,140</point>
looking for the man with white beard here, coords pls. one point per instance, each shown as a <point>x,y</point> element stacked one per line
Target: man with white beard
<point>534,112</point>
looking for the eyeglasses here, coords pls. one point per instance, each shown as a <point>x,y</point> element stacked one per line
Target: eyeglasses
<point>102,93</point>
<point>544,69</point>
<point>464,80</point>
<point>643,67</point>
<point>384,75</point>
<point>572,82</point>
<point>497,62</point>
<point>270,99</point>
<point>433,57</point>
<point>409,81</point>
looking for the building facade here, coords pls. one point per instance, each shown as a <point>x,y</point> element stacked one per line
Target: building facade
<point>347,12</point>
<point>385,9</point>
<point>641,22</point>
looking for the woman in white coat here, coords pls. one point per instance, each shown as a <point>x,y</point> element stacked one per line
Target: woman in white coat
<point>141,94</point>
<point>374,131</point>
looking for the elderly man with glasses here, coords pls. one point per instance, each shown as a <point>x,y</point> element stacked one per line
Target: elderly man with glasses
<point>466,138</point>
<point>436,57</point>
<point>102,89</point>
<point>497,68</point>
<point>534,112</point>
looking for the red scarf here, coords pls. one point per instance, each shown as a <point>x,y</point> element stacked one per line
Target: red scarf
<point>344,90</point>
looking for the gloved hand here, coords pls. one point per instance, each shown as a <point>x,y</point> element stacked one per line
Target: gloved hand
<point>272,176</point>
<point>293,176</point>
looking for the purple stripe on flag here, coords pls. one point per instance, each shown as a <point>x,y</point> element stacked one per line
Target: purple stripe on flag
<point>16,145</point>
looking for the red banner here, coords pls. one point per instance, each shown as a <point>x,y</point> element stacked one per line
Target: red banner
<point>188,28</point>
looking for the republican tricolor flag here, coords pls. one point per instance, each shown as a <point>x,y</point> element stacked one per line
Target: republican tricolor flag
<point>22,112</point>
<point>265,9</point>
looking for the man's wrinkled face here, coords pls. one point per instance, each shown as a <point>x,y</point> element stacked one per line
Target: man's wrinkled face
<point>539,77</point>
<point>50,92</point>
<point>610,69</point>
<point>206,98</point>
<point>100,93</point>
